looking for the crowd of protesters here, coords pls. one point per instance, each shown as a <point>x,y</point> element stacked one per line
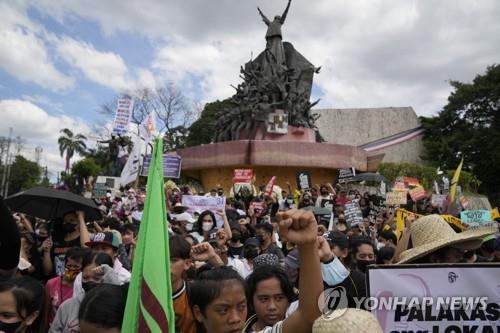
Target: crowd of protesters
<point>261,269</point>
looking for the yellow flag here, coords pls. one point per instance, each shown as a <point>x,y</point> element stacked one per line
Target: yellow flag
<point>454,181</point>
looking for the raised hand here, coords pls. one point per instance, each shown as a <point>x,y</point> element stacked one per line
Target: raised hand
<point>203,252</point>
<point>298,226</point>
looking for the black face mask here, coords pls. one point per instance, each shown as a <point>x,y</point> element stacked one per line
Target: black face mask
<point>251,253</point>
<point>10,327</point>
<point>260,238</point>
<point>87,286</point>
<point>68,227</point>
<point>362,264</point>
<point>42,239</point>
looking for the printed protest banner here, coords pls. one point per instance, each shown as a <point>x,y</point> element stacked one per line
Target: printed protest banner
<point>99,190</point>
<point>434,298</point>
<point>201,203</point>
<point>122,116</point>
<point>346,175</point>
<point>476,218</point>
<point>402,214</point>
<point>243,176</point>
<point>399,186</point>
<point>438,200</point>
<point>303,180</point>
<point>418,193</point>
<point>257,207</point>
<point>171,166</point>
<point>395,198</point>
<point>353,214</point>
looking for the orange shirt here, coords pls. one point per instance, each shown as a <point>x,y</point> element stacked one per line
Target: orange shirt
<point>184,319</point>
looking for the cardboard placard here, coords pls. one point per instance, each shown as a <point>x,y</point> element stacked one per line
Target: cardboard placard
<point>438,200</point>
<point>395,198</point>
<point>99,190</point>
<point>418,193</point>
<point>353,214</point>
<point>303,180</point>
<point>411,181</point>
<point>346,175</point>
<point>202,203</point>
<point>122,116</point>
<point>399,186</point>
<point>243,176</point>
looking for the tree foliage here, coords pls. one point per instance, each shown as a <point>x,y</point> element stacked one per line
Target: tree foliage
<point>469,127</point>
<point>70,144</point>
<point>202,131</point>
<point>24,174</point>
<point>426,175</point>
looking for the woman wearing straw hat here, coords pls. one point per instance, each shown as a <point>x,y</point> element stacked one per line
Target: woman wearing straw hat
<point>434,241</point>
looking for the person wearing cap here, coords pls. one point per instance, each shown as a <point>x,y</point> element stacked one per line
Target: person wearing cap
<point>435,241</point>
<point>109,243</point>
<point>184,223</point>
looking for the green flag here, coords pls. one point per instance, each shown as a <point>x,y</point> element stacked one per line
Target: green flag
<point>149,302</point>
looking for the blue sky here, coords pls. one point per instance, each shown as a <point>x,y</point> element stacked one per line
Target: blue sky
<point>62,59</point>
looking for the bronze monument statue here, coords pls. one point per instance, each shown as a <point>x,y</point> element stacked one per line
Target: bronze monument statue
<point>279,78</point>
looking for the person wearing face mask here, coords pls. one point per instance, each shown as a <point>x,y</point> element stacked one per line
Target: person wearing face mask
<point>325,199</point>
<point>96,269</point>
<point>235,245</point>
<point>287,203</point>
<point>363,254</point>
<point>245,266</point>
<point>22,306</point>
<point>264,232</point>
<point>206,224</point>
<point>183,224</point>
<point>60,288</point>
<point>69,232</point>
<point>306,201</point>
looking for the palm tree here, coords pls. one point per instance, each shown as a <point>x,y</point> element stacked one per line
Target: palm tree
<point>71,144</point>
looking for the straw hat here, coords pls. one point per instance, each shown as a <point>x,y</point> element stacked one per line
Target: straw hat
<point>431,233</point>
<point>353,320</point>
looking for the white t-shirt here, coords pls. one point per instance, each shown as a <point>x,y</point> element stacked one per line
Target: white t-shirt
<point>241,266</point>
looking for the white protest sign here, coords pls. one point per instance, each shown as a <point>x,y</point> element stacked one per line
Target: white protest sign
<point>438,200</point>
<point>395,198</point>
<point>436,298</point>
<point>122,116</point>
<point>201,203</point>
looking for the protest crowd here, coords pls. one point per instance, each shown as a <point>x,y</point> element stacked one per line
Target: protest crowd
<point>257,263</point>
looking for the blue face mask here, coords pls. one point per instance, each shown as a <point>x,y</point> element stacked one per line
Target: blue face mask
<point>334,273</point>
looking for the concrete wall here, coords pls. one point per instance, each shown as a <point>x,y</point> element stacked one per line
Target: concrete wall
<point>360,126</point>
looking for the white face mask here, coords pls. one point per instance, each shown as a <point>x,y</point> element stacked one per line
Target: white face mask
<point>207,226</point>
<point>380,245</point>
<point>189,226</point>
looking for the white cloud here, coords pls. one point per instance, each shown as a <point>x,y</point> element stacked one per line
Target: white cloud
<point>38,128</point>
<point>24,53</point>
<point>44,100</point>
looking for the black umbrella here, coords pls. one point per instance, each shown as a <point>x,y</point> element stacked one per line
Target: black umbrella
<point>368,177</point>
<point>48,204</point>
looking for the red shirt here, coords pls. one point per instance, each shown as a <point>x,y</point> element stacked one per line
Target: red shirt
<point>58,293</point>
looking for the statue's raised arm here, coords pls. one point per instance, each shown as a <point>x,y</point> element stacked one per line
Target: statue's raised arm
<point>283,16</point>
<point>264,18</point>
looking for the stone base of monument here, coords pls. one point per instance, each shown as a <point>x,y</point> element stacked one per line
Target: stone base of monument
<point>214,163</point>
<point>301,134</point>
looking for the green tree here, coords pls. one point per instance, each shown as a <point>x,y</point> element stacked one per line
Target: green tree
<point>83,170</point>
<point>202,131</point>
<point>70,144</point>
<point>24,174</point>
<point>469,127</point>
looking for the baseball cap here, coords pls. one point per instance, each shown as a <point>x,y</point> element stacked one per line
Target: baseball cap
<point>106,238</point>
<point>337,238</point>
<point>184,217</point>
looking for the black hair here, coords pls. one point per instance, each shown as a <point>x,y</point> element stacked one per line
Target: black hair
<point>209,284</point>
<point>389,235</point>
<point>104,306</point>
<point>30,296</point>
<point>112,223</point>
<point>198,225</point>
<point>357,242</point>
<point>195,241</point>
<point>266,272</point>
<point>98,259</point>
<point>267,227</point>
<point>179,247</point>
<point>385,253</point>
<point>488,246</point>
<point>128,228</point>
<point>77,253</point>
